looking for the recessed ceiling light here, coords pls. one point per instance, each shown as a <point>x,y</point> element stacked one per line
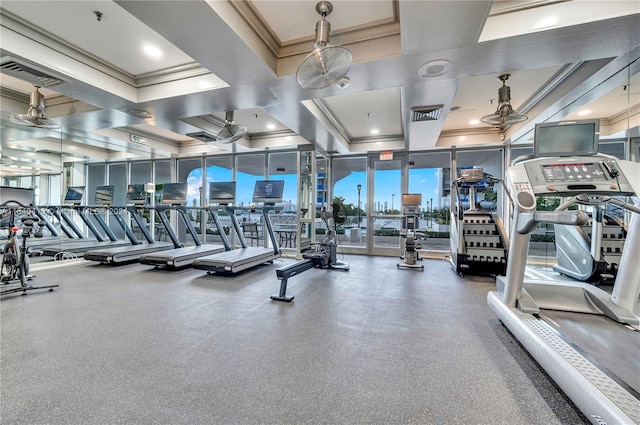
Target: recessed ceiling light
<point>271,126</point>
<point>474,122</point>
<point>435,68</point>
<point>375,131</point>
<point>152,51</point>
<point>585,112</point>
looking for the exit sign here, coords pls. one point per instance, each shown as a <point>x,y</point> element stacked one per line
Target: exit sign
<point>386,156</point>
<point>137,139</point>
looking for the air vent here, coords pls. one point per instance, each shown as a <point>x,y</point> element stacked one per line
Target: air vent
<point>426,113</point>
<point>29,73</point>
<point>203,136</point>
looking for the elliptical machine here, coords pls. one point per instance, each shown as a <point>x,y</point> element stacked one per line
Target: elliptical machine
<point>410,218</point>
<point>592,252</point>
<point>321,255</point>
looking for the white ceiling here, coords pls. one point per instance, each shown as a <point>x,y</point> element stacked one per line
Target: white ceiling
<point>241,56</point>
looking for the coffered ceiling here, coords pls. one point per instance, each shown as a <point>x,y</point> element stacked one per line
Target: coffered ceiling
<point>168,70</point>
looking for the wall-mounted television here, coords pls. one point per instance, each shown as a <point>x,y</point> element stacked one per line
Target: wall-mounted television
<point>104,195</point>
<point>25,197</point>
<point>268,191</point>
<point>174,193</point>
<point>136,194</point>
<point>566,138</point>
<point>412,199</point>
<point>74,195</point>
<point>223,193</point>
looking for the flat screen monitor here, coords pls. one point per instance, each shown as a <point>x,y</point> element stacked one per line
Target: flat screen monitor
<point>268,191</point>
<point>222,192</point>
<point>104,195</point>
<point>136,194</point>
<point>412,199</point>
<point>74,195</point>
<point>567,138</point>
<point>174,193</point>
<point>25,197</point>
<point>471,175</point>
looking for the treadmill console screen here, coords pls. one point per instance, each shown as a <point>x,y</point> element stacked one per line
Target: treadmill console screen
<point>576,172</point>
<point>136,194</point>
<point>104,194</point>
<point>175,193</point>
<point>74,195</point>
<point>572,176</point>
<point>268,191</point>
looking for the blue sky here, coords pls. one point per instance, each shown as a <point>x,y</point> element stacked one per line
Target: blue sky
<point>387,183</point>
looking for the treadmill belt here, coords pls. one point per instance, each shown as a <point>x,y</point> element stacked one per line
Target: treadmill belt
<point>613,345</point>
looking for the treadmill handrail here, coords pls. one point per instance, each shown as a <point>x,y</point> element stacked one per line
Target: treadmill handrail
<point>159,210</point>
<point>213,213</point>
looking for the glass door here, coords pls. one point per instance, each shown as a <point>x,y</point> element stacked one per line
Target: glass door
<point>349,191</point>
<point>386,183</point>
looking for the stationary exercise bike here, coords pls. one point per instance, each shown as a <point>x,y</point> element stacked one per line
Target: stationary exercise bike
<point>321,255</point>
<point>14,267</point>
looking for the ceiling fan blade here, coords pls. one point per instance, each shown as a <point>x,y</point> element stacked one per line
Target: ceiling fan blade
<point>231,133</point>
<point>323,67</point>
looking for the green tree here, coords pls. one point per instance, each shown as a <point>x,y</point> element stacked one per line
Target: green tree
<point>350,210</point>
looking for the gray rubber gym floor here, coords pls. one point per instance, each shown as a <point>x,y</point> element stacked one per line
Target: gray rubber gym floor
<point>376,345</point>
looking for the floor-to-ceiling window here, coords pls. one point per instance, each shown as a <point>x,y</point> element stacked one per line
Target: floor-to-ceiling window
<point>430,176</point>
<point>191,172</point>
<point>96,176</point>
<point>350,191</point>
<point>249,169</point>
<point>218,169</point>
<point>118,178</point>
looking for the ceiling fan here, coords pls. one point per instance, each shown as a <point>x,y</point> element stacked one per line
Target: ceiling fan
<point>35,116</point>
<point>504,115</point>
<point>231,132</point>
<point>326,64</point>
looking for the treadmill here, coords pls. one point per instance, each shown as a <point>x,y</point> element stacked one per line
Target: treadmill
<point>136,196</point>
<point>221,193</point>
<point>268,192</point>
<point>587,339</point>
<point>104,197</point>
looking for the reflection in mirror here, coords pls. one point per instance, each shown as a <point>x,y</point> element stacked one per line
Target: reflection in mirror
<point>30,158</point>
<point>283,166</point>
<point>305,200</point>
<point>321,196</point>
